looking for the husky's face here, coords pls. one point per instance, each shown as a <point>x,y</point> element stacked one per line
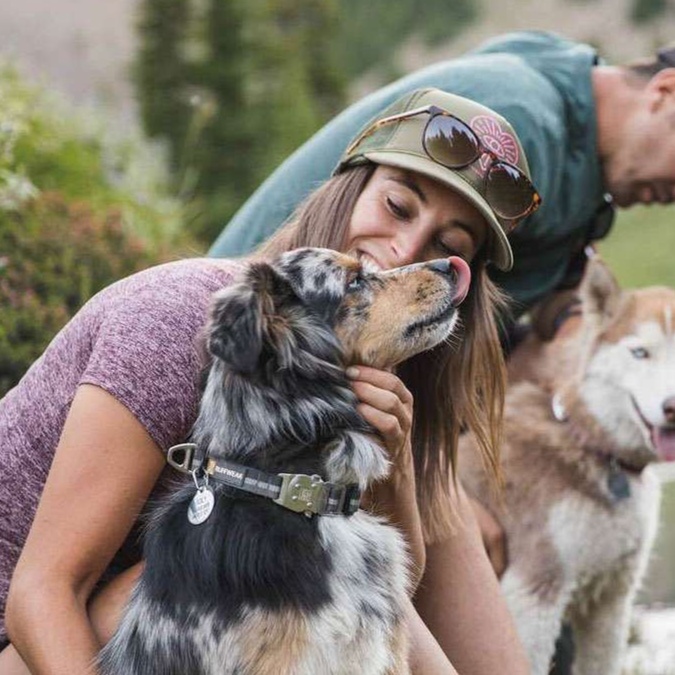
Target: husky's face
<point>629,379</point>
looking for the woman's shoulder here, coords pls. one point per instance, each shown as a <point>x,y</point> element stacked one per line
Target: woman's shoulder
<point>186,276</point>
<point>181,286</point>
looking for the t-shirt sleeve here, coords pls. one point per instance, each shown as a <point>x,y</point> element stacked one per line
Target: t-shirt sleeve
<point>146,353</point>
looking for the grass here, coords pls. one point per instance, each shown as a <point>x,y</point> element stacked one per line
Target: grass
<point>641,245</point>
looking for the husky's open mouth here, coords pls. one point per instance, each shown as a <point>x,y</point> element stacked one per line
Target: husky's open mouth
<point>662,438</point>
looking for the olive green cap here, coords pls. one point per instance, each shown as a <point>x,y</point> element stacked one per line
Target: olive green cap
<point>399,144</point>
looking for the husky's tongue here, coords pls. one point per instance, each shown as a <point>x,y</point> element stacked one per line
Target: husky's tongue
<point>664,441</point>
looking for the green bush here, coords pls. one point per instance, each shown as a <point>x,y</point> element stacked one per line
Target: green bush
<point>56,255</point>
<point>79,209</point>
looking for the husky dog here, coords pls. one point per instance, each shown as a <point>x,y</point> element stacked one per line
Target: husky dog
<point>277,572</point>
<point>580,507</point>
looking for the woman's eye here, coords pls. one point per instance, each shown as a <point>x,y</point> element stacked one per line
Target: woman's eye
<point>639,353</point>
<point>398,210</point>
<point>449,250</point>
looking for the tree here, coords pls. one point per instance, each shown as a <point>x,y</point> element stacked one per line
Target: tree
<point>259,79</point>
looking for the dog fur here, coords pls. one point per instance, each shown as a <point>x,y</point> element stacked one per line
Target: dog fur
<point>258,589</point>
<point>579,532</point>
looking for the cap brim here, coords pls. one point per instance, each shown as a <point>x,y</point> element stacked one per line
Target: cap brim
<point>500,249</point>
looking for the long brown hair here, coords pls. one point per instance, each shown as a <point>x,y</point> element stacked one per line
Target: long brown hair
<point>455,386</point>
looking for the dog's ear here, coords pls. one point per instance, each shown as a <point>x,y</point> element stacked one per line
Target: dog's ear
<point>243,318</point>
<point>235,335</point>
<point>600,294</point>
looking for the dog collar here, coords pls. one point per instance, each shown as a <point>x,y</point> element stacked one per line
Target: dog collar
<point>617,470</point>
<point>297,492</point>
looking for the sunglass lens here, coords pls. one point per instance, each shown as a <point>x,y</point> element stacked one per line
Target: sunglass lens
<point>450,142</point>
<point>508,191</point>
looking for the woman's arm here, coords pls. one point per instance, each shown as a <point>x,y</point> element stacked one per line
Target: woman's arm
<point>103,471</point>
<point>105,611</point>
<point>459,599</point>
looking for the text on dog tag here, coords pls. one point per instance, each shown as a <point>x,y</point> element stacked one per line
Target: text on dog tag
<point>201,506</point>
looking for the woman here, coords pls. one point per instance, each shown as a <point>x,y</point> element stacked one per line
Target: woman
<point>120,382</point>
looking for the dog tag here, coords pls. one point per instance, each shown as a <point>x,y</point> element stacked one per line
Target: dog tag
<point>201,505</point>
<point>617,482</point>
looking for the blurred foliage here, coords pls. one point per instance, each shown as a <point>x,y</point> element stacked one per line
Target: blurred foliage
<point>78,210</point>
<point>642,11</point>
<point>234,86</point>
<point>56,255</point>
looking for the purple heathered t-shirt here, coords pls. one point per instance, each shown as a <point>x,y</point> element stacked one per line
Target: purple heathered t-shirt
<point>138,339</point>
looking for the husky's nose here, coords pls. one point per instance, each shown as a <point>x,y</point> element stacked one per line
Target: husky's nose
<point>668,407</point>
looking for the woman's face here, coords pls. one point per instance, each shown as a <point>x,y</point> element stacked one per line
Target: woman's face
<point>402,217</point>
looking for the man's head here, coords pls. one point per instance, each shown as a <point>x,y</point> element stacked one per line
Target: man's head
<point>636,129</point>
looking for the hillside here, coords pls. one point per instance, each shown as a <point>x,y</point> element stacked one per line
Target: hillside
<point>85,49</point>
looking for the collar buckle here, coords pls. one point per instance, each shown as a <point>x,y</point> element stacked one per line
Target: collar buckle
<point>302,493</point>
<point>180,456</point>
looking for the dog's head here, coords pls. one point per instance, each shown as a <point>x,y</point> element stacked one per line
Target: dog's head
<point>282,336</point>
<point>287,313</point>
<point>626,373</point>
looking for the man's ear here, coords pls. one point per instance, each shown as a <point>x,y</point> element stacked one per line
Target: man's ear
<point>661,90</point>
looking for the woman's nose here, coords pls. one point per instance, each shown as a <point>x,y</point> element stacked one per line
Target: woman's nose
<point>408,247</point>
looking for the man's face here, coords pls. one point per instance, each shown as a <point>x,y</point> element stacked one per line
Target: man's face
<point>642,168</point>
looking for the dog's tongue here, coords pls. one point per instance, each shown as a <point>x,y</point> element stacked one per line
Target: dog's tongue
<point>664,441</point>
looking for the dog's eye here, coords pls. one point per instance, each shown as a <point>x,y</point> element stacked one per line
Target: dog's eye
<point>355,284</point>
<point>639,353</point>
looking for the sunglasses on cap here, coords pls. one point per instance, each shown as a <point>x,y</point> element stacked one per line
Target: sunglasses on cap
<point>452,143</point>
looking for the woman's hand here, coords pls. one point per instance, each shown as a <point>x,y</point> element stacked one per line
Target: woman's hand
<point>386,404</point>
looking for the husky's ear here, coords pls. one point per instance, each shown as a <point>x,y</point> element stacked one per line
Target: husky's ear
<point>600,294</point>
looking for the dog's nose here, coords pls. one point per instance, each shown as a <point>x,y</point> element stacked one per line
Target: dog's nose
<point>668,407</point>
<point>459,270</point>
<point>442,265</point>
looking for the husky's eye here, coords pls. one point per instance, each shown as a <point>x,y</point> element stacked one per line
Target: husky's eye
<point>639,353</point>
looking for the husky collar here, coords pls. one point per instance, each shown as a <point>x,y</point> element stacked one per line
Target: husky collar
<point>297,492</point>
<point>617,479</point>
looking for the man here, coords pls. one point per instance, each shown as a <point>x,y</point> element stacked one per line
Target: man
<point>592,133</point>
